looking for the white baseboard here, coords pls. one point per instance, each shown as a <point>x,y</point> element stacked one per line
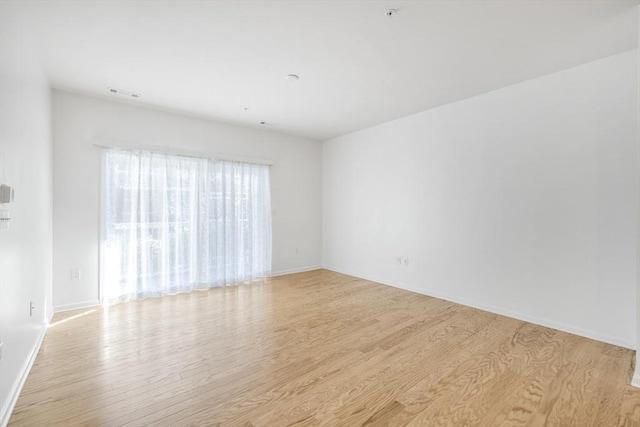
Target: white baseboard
<point>635,380</point>
<point>75,306</point>
<point>295,270</point>
<point>14,393</point>
<point>621,342</point>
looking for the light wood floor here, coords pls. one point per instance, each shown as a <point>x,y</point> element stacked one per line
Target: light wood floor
<point>319,348</point>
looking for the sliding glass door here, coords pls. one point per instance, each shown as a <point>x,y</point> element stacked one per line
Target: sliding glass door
<point>176,223</point>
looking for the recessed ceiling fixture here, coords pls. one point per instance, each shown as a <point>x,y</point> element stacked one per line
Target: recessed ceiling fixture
<point>124,93</point>
<point>292,77</point>
<point>391,12</point>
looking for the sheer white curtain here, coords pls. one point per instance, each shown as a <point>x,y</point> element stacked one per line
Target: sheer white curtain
<point>175,223</point>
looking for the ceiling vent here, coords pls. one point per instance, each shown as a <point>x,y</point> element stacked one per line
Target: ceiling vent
<point>124,93</point>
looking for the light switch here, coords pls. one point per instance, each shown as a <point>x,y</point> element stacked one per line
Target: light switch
<point>4,219</point>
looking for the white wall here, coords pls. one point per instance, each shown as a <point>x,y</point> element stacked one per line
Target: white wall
<point>78,120</point>
<point>522,201</point>
<point>635,380</point>
<point>25,164</point>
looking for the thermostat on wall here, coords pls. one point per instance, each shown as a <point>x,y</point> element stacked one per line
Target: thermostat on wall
<point>6,194</point>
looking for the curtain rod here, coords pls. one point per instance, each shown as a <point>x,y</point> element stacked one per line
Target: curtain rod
<point>102,143</point>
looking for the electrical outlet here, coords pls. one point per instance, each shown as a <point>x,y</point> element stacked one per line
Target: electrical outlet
<point>76,274</point>
<point>405,261</point>
<point>399,260</point>
<point>32,308</point>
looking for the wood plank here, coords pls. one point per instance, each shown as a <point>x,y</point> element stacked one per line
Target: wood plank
<point>319,348</point>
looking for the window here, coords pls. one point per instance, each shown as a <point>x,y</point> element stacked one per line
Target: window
<point>176,223</point>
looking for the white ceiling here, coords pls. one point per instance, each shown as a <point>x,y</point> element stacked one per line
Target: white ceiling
<point>357,67</point>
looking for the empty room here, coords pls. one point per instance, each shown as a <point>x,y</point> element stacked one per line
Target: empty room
<point>319,213</point>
